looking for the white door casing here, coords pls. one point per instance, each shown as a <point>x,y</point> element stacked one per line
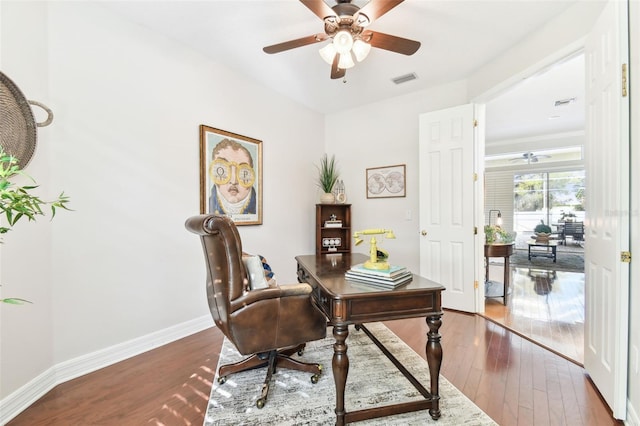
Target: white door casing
<point>607,206</point>
<point>449,188</point>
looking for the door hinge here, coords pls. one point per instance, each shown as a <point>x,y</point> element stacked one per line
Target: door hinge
<point>475,177</point>
<point>624,80</point>
<point>475,284</point>
<point>475,230</point>
<point>625,257</point>
<point>475,123</point>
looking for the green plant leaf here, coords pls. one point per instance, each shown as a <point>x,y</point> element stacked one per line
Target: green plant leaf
<point>15,301</point>
<point>328,173</point>
<point>18,202</point>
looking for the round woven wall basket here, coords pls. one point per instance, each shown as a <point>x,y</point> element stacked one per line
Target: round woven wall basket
<point>18,135</point>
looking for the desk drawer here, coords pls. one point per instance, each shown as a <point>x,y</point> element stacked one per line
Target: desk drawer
<point>322,300</point>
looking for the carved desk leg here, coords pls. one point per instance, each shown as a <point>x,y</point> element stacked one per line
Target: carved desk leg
<point>434,358</point>
<point>340,364</point>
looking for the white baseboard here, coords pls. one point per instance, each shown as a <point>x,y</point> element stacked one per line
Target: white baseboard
<point>18,401</point>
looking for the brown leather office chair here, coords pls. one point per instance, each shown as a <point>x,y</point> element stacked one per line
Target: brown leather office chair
<point>269,323</point>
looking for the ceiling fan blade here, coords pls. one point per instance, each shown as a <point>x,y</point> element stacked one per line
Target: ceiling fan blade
<point>292,44</point>
<point>319,8</point>
<point>530,157</point>
<point>391,43</point>
<point>335,71</point>
<point>376,8</point>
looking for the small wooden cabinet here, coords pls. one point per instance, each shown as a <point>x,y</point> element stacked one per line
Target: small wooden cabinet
<point>333,228</point>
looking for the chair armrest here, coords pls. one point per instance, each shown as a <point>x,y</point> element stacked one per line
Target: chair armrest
<point>276,292</point>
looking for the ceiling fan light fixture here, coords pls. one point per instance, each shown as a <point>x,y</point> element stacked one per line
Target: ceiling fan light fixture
<point>343,41</point>
<point>344,27</point>
<point>362,20</point>
<point>345,62</point>
<point>328,53</point>
<point>361,49</point>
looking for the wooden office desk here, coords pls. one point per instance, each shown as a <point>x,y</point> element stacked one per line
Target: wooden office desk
<point>345,303</point>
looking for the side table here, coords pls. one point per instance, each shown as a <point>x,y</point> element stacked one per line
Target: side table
<point>504,251</point>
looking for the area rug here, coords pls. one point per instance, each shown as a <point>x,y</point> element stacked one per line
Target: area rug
<point>565,261</point>
<point>373,381</point>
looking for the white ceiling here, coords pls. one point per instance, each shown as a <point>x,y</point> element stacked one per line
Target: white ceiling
<point>457,36</point>
<point>529,108</point>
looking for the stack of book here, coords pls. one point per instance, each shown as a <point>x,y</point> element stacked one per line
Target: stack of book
<point>333,224</point>
<point>386,278</point>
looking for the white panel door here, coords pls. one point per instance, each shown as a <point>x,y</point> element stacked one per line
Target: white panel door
<point>448,249</point>
<point>607,219</point>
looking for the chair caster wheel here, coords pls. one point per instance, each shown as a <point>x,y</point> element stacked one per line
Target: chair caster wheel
<point>260,402</point>
<point>222,380</point>
<point>315,378</point>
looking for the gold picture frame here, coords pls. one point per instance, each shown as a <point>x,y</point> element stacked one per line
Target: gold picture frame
<point>230,175</point>
<point>386,182</point>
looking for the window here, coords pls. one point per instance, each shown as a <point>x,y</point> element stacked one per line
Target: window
<point>548,197</point>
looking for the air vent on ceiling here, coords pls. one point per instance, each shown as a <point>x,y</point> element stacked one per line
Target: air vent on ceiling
<point>404,78</point>
<point>563,102</point>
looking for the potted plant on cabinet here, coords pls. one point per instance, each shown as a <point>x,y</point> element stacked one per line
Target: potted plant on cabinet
<point>328,174</point>
<point>17,202</point>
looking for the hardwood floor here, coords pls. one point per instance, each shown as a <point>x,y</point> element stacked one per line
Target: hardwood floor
<point>545,306</point>
<point>513,380</point>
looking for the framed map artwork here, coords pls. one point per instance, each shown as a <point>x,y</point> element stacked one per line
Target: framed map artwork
<point>386,182</point>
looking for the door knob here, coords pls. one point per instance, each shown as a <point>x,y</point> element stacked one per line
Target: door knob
<point>423,233</point>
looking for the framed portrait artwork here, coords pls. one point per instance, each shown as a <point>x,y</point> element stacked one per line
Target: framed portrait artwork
<point>230,175</point>
<point>386,182</point>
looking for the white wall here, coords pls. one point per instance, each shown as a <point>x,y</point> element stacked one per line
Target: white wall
<point>26,332</point>
<point>385,134</point>
<point>124,146</point>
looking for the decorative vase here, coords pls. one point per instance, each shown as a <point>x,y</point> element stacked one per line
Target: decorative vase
<point>327,198</point>
<point>542,236</point>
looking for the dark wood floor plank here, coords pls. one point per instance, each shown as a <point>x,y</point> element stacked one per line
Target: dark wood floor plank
<point>170,385</point>
<point>525,399</point>
<point>546,306</point>
<point>512,387</point>
<point>525,416</point>
<point>540,408</point>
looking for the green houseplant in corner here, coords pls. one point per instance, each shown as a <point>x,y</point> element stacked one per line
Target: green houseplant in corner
<point>17,202</point>
<point>328,174</point>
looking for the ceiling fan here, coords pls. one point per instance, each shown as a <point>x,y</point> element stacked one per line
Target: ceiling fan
<point>345,24</point>
<point>530,157</point>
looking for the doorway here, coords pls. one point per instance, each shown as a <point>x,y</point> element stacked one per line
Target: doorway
<point>534,156</point>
